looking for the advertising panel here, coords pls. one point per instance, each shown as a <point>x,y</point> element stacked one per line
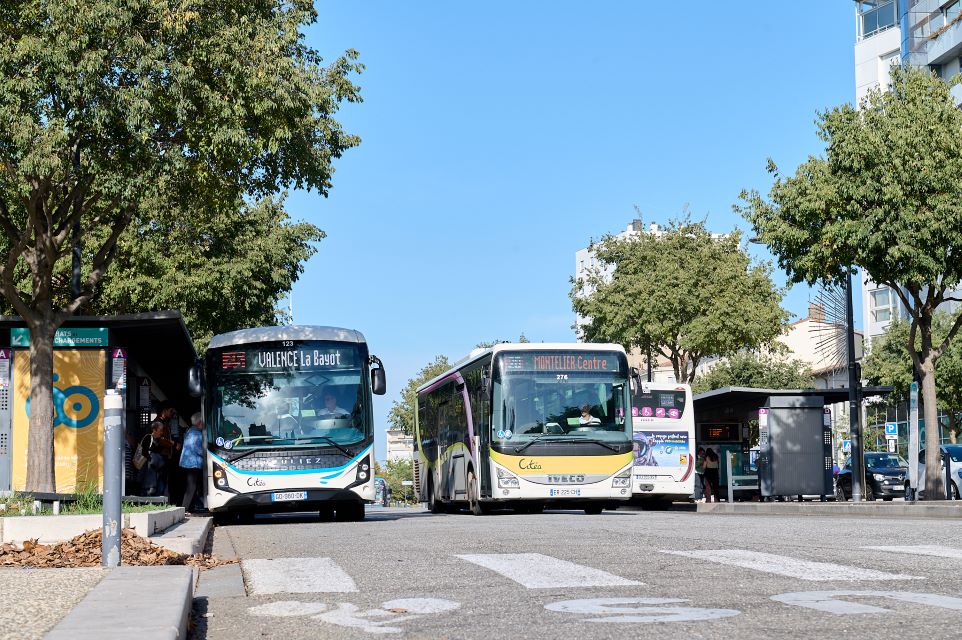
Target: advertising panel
<point>78,381</point>
<point>661,448</point>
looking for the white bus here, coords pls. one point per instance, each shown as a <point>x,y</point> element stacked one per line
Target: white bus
<point>664,444</point>
<point>289,421</point>
<point>526,426</point>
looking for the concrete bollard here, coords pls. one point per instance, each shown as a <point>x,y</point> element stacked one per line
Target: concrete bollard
<point>113,477</point>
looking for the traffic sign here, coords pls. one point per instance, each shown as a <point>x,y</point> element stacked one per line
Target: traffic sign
<point>847,446</point>
<point>893,446</point>
<point>407,483</point>
<point>891,429</point>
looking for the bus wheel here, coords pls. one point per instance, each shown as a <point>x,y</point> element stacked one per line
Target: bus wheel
<point>434,505</point>
<point>352,512</point>
<point>594,509</point>
<point>474,504</point>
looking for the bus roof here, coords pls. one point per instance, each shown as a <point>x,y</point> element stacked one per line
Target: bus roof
<point>479,353</point>
<point>289,332</point>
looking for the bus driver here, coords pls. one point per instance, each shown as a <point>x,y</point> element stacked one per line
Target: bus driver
<point>330,408</point>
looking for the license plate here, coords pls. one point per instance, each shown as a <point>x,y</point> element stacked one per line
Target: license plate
<point>641,477</point>
<point>564,492</point>
<point>279,496</point>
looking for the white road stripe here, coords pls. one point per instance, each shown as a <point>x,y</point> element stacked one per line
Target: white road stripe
<point>924,550</point>
<point>295,575</point>
<point>537,571</point>
<point>791,567</point>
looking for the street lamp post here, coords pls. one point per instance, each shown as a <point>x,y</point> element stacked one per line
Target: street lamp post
<point>855,426</point>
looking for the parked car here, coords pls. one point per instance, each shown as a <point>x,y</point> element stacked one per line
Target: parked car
<point>955,469</point>
<point>884,477</point>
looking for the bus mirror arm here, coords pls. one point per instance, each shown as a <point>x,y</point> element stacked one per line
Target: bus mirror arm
<point>485,376</point>
<point>195,385</point>
<point>378,379</point>
<point>633,377</point>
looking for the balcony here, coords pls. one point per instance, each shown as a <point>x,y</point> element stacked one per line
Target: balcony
<point>875,16</point>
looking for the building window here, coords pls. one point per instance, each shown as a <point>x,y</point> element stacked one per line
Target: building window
<point>881,305</point>
<point>875,16</point>
<point>952,11</point>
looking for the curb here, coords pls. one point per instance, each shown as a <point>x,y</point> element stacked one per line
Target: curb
<point>189,536</point>
<point>928,509</point>
<point>54,529</point>
<point>156,604</point>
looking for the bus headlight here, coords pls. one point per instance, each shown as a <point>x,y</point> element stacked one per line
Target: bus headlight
<point>364,470</point>
<point>622,480</point>
<point>507,480</point>
<point>220,476</point>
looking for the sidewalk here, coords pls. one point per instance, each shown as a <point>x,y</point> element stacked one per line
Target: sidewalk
<point>877,509</point>
<point>76,604</point>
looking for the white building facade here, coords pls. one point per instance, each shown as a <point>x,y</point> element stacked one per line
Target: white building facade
<point>922,33</point>
<point>400,446</point>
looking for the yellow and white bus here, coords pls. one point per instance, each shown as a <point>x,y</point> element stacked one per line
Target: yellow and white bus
<point>664,444</point>
<point>526,426</point>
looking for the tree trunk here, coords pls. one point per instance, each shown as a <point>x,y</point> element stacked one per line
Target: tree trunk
<point>40,453</point>
<point>934,487</point>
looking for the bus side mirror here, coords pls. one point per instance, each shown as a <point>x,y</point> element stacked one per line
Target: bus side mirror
<point>378,379</point>
<point>633,377</point>
<point>485,377</point>
<point>195,387</point>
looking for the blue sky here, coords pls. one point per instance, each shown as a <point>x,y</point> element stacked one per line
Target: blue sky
<point>498,138</point>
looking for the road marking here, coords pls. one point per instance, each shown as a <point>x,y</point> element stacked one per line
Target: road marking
<point>537,571</point>
<point>287,608</point>
<point>391,612</point>
<point>635,614</point>
<point>791,567</point>
<point>295,575</point>
<point>825,601</point>
<point>924,550</point>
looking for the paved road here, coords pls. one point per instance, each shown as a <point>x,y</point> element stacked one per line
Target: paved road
<point>407,573</point>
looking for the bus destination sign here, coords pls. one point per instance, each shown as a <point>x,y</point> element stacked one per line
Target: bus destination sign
<point>578,361</point>
<point>297,358</point>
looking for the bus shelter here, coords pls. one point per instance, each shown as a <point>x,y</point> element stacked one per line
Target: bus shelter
<point>728,420</point>
<point>145,357</point>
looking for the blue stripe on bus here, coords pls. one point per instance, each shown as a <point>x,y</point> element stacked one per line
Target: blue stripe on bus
<point>291,472</point>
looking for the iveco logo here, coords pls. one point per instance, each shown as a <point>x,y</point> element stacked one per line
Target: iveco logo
<point>566,479</point>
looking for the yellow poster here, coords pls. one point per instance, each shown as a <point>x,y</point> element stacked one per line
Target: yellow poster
<point>78,391</point>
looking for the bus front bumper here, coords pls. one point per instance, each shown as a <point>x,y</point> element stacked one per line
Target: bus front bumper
<point>276,501</point>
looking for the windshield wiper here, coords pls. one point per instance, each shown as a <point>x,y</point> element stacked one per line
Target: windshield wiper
<point>246,453</point>
<point>327,439</point>
<point>537,438</point>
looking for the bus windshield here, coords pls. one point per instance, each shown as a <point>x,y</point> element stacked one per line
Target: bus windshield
<point>307,395</point>
<point>559,396</point>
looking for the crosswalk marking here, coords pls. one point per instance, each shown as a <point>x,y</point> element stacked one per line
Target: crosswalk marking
<point>296,575</point>
<point>923,550</point>
<point>786,566</point>
<point>537,571</point>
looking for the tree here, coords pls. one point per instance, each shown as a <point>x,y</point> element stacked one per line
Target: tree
<point>890,364</point>
<point>223,273</point>
<point>686,294</point>
<point>395,472</point>
<point>887,198</point>
<point>758,371</point>
<point>146,113</point>
<point>402,415</point>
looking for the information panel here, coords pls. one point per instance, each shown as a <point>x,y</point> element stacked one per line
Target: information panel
<point>280,357</point>
<point>561,361</point>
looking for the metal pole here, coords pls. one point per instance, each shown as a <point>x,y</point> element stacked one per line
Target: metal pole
<point>913,441</point>
<point>855,427</point>
<point>113,475</point>
<point>731,480</point>
<point>650,371</point>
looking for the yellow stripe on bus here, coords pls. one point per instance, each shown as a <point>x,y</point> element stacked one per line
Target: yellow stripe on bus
<point>538,465</point>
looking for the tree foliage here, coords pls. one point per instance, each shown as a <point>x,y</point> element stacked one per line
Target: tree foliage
<point>685,294</point>
<point>402,415</point>
<point>223,273</point>
<point>890,364</point>
<point>887,197</point>
<point>758,371</point>
<point>394,473</point>
<point>153,113</point>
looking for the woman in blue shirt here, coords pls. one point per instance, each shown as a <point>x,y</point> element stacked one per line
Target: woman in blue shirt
<point>192,460</point>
